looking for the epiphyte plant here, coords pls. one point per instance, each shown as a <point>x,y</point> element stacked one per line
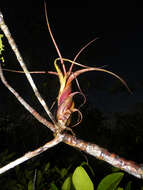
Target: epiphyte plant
<point>65,107</point>
<point>65,97</point>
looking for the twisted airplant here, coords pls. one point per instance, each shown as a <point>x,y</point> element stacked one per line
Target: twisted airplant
<point>65,101</point>
<point>65,107</point>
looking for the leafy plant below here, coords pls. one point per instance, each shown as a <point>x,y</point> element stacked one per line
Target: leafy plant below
<point>46,176</point>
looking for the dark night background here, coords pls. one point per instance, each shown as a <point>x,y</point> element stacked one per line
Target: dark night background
<point>119,48</point>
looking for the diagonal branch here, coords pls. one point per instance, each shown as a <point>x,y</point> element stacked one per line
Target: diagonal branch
<point>14,47</point>
<point>103,154</point>
<point>90,148</point>
<point>32,154</point>
<point>25,104</point>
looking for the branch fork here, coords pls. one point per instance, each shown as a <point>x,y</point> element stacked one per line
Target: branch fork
<point>65,108</point>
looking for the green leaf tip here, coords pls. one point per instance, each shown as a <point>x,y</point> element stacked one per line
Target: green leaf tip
<point>111,181</point>
<point>81,180</point>
<point>1,44</point>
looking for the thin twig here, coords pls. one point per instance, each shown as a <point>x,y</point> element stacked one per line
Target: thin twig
<point>92,149</point>
<point>25,104</point>
<point>32,154</point>
<point>14,47</point>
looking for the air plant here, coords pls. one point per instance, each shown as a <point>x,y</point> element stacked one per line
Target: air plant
<point>66,105</point>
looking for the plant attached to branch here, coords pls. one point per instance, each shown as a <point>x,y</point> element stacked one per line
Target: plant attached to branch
<point>65,106</point>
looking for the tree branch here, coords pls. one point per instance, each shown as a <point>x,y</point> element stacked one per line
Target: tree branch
<point>90,148</point>
<point>103,154</point>
<point>32,154</point>
<point>14,47</point>
<point>25,104</point>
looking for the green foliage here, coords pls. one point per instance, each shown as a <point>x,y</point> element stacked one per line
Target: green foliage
<point>110,181</point>
<point>1,47</point>
<point>81,180</point>
<point>1,44</point>
<point>67,183</point>
<point>128,186</point>
<point>5,157</point>
<point>56,178</point>
<point>30,185</point>
<point>53,187</point>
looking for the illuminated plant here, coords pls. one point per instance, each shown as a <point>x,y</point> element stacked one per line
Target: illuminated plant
<point>65,106</point>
